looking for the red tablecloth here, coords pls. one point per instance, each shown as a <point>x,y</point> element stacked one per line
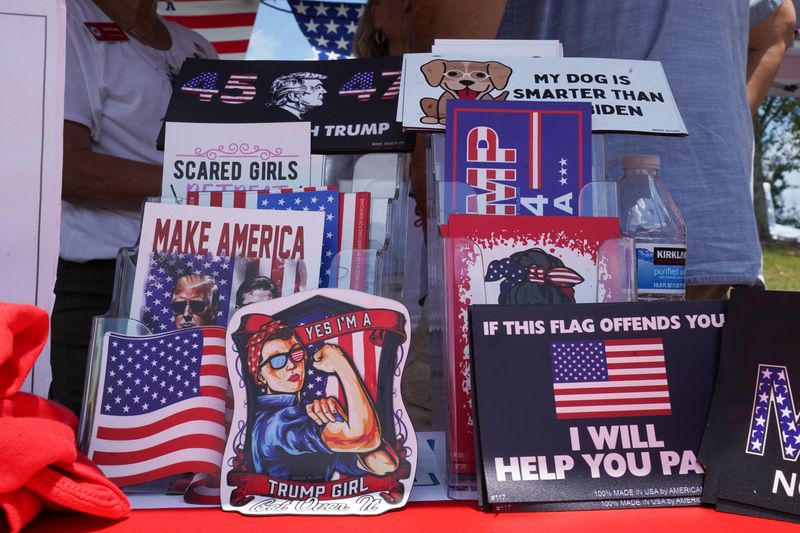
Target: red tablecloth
<point>450,517</point>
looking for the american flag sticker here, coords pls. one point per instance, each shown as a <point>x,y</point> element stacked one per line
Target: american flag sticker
<point>611,378</point>
<point>161,405</point>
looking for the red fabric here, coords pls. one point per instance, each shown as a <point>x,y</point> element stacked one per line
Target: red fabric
<point>19,508</point>
<point>23,332</point>
<point>456,516</point>
<point>41,465</point>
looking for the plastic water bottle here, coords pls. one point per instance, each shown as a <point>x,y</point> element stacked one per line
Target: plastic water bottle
<point>649,215</point>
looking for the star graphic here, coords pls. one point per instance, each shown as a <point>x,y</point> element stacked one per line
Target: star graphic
<point>311,26</point>
<point>322,11</point>
<point>331,27</point>
<point>562,162</point>
<point>342,43</point>
<point>301,8</point>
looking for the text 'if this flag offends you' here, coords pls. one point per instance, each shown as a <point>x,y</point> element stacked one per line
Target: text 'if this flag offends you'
<point>611,378</point>
<point>161,405</point>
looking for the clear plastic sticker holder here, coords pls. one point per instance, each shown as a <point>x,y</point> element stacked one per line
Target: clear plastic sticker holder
<point>385,176</point>
<point>614,282</point>
<point>616,275</point>
<point>118,320</point>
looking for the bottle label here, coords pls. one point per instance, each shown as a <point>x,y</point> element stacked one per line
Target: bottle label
<point>661,268</point>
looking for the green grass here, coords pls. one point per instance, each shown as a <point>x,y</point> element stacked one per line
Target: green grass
<point>782,265</point>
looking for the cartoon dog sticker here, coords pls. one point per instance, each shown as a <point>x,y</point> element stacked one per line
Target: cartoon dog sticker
<point>467,80</point>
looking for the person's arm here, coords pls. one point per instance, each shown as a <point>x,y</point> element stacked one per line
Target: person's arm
<point>768,41</point>
<point>99,180</point>
<point>358,430</point>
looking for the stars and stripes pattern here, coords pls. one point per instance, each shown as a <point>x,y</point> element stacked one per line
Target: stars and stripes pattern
<point>510,271</point>
<point>161,405</point>
<point>610,378</point>
<point>561,276</point>
<point>326,199</point>
<point>774,395</point>
<point>203,489</point>
<point>243,89</point>
<point>394,89</point>
<point>163,273</point>
<point>204,86</point>
<point>345,229</point>
<point>528,160</point>
<point>483,145</point>
<point>316,200</point>
<point>329,27</point>
<point>351,270</point>
<point>487,203</point>
<point>227,24</point>
<point>365,357</point>
<point>361,85</point>
<point>242,198</point>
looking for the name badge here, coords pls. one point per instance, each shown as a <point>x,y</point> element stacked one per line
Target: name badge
<point>106,31</point>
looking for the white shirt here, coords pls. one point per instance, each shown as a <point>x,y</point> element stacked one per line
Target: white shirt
<point>120,91</point>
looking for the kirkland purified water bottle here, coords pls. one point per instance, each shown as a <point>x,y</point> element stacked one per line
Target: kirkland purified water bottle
<point>649,215</point>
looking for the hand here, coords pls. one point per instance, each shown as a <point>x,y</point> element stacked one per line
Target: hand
<point>329,358</point>
<point>325,410</point>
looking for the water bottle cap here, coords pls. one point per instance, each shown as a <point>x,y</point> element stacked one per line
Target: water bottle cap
<point>646,161</point>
